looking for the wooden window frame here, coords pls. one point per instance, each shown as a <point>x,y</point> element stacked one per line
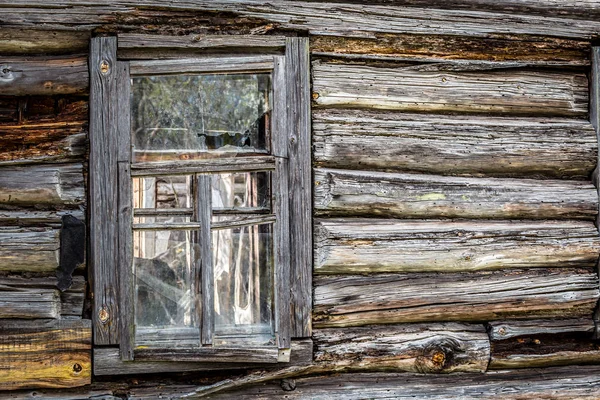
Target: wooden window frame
<point>111,171</point>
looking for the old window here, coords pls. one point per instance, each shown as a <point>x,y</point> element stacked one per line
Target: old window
<point>190,204</point>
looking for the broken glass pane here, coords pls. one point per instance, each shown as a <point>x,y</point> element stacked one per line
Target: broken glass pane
<point>162,192</point>
<point>241,190</point>
<point>181,117</point>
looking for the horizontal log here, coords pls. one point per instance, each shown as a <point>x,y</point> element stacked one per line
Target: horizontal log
<point>39,297</point>
<point>107,361</point>
<point>533,50</point>
<point>33,218</point>
<point>358,20</point>
<point>413,88</point>
<point>523,294</point>
<point>430,348</point>
<point>544,350</point>
<point>382,194</point>
<point>45,354</point>
<point>454,145</point>
<point>547,383</point>
<point>355,246</point>
<point>31,250</point>
<point>502,330</point>
<point>43,75</point>
<point>21,110</point>
<point>42,185</point>
<point>23,41</point>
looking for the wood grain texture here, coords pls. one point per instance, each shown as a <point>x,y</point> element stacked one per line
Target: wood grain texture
<point>389,298</point>
<point>424,348</point>
<point>354,246</point>
<point>202,65</point>
<point>382,194</point>
<point>24,41</point>
<point>45,186</point>
<point>502,330</point>
<point>43,75</point>
<point>358,20</point>
<point>299,152</point>
<point>531,50</point>
<point>29,250</point>
<point>45,354</point>
<point>103,181</point>
<point>454,145</point>
<point>418,89</point>
<point>36,219</point>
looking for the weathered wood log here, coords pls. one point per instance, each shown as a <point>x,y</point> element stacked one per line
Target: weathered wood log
<point>359,20</point>
<point>32,218</point>
<point>45,354</point>
<point>24,41</point>
<point>351,246</point>
<point>547,383</point>
<point>522,294</point>
<point>43,75</point>
<point>107,361</point>
<point>502,330</point>
<point>382,194</point>
<point>31,250</point>
<point>534,50</point>
<point>42,185</point>
<point>412,88</point>
<point>17,110</point>
<point>454,145</point>
<point>39,297</point>
<point>545,350</point>
<point>426,348</point>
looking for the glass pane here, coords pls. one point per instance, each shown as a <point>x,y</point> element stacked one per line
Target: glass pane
<point>162,192</point>
<point>164,282</point>
<point>241,190</point>
<point>243,284</point>
<point>179,117</point>
<point>161,219</point>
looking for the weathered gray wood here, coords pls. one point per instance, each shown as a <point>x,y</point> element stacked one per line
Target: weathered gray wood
<point>202,65</point>
<point>547,383</point>
<point>42,185</point>
<point>145,46</point>
<point>360,20</point>
<point>103,181</point>
<point>382,194</point>
<point>43,75</point>
<point>29,250</point>
<point>532,50</point>
<point>299,151</point>
<point>245,220</point>
<point>522,294</point>
<point>595,120</point>
<point>24,41</point>
<point>53,354</point>
<point>351,246</point>
<point>454,145</point>
<point>502,330</point>
<point>107,362</point>
<point>424,348</point>
<point>203,271</point>
<point>414,89</point>
<point>258,163</point>
<point>214,354</point>
<point>36,219</point>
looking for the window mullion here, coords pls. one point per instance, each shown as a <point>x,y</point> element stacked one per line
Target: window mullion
<point>203,210</point>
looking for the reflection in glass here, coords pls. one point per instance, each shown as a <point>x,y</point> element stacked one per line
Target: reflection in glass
<point>164,282</point>
<point>178,117</point>
<point>161,219</point>
<point>241,190</point>
<point>162,192</point>
<point>243,285</point>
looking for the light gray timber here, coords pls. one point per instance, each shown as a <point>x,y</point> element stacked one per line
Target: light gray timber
<point>595,120</point>
<point>356,246</point>
<point>34,218</point>
<point>29,249</point>
<point>411,88</point>
<point>257,163</point>
<point>51,185</point>
<point>209,354</point>
<point>502,330</point>
<point>299,151</point>
<point>107,362</point>
<point>200,65</point>
<point>383,194</point>
<point>359,20</point>
<point>43,75</point>
<point>203,271</point>
<point>30,303</point>
<point>454,145</point>
<point>424,348</point>
<point>393,298</point>
<point>103,180</point>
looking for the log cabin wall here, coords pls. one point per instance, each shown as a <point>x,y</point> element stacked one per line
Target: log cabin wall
<point>454,207</point>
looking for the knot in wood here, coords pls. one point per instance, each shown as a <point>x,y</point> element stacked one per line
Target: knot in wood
<point>315,95</point>
<point>103,315</point>
<point>288,385</point>
<point>104,67</point>
<point>77,368</point>
<point>439,358</point>
<point>6,73</point>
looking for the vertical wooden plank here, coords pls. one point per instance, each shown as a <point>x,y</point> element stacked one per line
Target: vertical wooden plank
<point>281,207</point>
<point>299,150</point>
<point>203,214</point>
<point>103,182</point>
<point>595,120</point>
